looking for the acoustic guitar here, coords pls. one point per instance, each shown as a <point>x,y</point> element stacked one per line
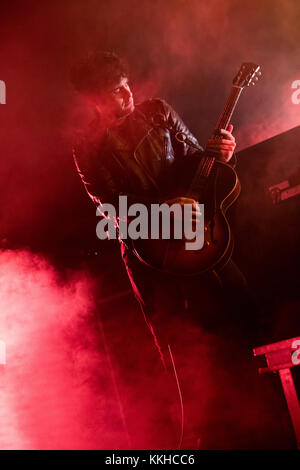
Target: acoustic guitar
<point>212,183</point>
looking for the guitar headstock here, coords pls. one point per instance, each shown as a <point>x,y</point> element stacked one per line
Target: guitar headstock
<point>248,74</point>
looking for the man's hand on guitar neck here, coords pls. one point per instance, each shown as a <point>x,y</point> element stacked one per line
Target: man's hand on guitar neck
<point>222,148</point>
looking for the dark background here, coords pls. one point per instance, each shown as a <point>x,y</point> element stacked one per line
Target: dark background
<point>186,52</point>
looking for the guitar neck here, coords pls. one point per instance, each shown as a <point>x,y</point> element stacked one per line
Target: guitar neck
<point>228,109</point>
<point>207,161</point>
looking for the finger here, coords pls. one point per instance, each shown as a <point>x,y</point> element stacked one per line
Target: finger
<point>220,142</point>
<point>230,128</point>
<point>187,200</point>
<point>196,213</point>
<point>227,133</point>
<point>193,210</point>
<point>196,216</point>
<point>195,221</point>
<point>180,200</point>
<point>215,148</point>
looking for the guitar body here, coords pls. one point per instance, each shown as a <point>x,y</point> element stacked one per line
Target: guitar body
<point>171,256</point>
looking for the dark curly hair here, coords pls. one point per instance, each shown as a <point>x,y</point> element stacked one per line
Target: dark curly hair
<point>98,71</point>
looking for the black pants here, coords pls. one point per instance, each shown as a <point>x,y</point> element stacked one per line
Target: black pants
<point>204,328</point>
<point>217,301</point>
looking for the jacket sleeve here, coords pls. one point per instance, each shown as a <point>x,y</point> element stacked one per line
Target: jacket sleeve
<point>96,177</point>
<point>192,147</point>
<point>101,181</point>
<point>179,131</point>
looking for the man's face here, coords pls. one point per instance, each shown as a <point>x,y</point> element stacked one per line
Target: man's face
<point>118,100</point>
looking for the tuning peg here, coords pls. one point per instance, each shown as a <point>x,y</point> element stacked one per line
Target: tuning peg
<point>256,78</point>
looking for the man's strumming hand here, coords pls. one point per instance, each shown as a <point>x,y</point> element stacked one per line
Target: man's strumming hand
<point>186,200</point>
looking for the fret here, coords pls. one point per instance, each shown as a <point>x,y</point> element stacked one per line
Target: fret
<point>246,75</point>
<point>207,161</point>
<point>230,104</point>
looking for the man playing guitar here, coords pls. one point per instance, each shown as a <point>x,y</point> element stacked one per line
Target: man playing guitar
<point>128,152</point>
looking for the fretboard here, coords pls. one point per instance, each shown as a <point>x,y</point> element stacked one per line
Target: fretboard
<point>207,161</point>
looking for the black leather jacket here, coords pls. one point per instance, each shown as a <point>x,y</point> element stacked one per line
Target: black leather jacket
<point>134,157</point>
